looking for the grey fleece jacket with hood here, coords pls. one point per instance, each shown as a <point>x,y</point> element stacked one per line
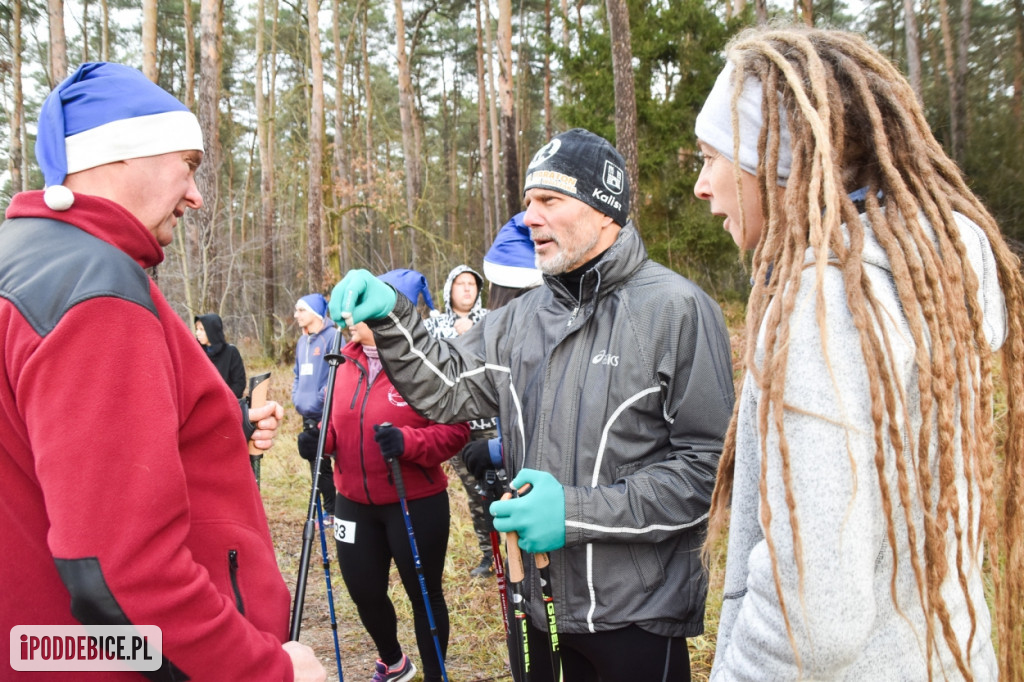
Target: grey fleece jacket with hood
<point>625,397</point>
<point>845,624</point>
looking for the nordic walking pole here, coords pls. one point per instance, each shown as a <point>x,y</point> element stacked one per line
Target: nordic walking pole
<point>333,359</point>
<point>396,473</point>
<point>258,387</point>
<point>499,573</point>
<point>543,563</point>
<point>330,592</point>
<point>516,574</point>
<point>500,478</point>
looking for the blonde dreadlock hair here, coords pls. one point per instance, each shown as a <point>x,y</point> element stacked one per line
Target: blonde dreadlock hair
<point>855,122</point>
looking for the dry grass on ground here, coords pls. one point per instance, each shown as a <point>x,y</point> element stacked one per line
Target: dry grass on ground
<point>476,649</point>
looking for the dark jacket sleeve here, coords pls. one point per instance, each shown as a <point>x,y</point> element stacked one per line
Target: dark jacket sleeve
<point>236,372</point>
<point>445,382</point>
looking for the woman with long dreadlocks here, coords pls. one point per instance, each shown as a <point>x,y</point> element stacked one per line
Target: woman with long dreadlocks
<point>861,460</point>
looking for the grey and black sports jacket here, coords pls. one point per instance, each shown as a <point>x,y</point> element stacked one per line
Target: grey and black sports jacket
<point>625,398</point>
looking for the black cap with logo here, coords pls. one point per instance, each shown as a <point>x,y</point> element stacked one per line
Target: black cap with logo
<point>584,166</point>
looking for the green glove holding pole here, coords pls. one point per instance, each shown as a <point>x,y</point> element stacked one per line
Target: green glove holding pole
<point>360,296</point>
<point>538,516</point>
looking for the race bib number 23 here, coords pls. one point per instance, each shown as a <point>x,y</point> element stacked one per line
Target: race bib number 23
<point>344,531</point>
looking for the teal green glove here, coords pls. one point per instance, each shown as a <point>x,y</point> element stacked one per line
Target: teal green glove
<point>359,297</point>
<point>538,515</point>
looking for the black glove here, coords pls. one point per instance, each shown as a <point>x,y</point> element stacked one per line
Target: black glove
<point>477,458</point>
<point>308,441</point>
<point>390,440</point>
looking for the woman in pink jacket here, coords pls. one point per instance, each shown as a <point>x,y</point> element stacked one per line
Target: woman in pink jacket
<point>370,530</point>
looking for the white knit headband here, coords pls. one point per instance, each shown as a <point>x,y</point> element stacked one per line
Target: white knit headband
<point>714,123</point>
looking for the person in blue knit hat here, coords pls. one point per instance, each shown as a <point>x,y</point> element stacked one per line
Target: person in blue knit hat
<point>150,515</point>
<point>309,387</point>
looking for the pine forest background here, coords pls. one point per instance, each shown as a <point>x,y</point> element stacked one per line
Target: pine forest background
<point>376,134</point>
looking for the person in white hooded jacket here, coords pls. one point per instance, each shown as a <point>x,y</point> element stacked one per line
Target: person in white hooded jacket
<point>463,309</point>
<point>462,304</point>
<point>859,462</point>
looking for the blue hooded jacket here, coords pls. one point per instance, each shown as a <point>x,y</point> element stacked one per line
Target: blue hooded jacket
<point>310,385</point>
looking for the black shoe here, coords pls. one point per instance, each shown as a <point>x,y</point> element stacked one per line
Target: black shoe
<point>485,569</point>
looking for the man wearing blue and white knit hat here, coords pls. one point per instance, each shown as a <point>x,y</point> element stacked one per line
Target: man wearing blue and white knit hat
<point>129,499</point>
<point>309,388</point>
<point>105,113</point>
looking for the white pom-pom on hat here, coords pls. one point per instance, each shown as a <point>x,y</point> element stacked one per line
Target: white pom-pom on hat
<point>58,197</point>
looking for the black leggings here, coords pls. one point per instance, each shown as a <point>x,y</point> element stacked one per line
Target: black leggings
<point>624,655</point>
<point>380,535</point>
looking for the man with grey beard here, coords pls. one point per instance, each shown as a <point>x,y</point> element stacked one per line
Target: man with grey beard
<point>613,383</point>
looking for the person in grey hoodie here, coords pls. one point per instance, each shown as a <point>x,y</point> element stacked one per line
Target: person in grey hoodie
<point>861,458</point>
<point>613,384</point>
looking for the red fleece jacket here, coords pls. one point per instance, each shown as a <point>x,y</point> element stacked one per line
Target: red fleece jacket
<point>120,442</point>
<point>361,474</point>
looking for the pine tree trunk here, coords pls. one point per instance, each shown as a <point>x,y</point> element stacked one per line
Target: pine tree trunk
<point>314,197</point>
<point>548,121</point>
<point>342,179</point>
<point>190,64</point>
<point>949,48</point>
<point>58,44</point>
<point>204,245</point>
<point>735,8</point>
<point>264,135</point>
<point>449,112</point>
<point>149,39</point>
<point>16,161</point>
<point>761,11</point>
<point>405,107</point>
<point>85,32</point>
<point>913,49</point>
<point>565,25</point>
<point>960,82</point>
<point>513,189</point>
<point>496,140</point>
<point>625,95</point>
<point>1018,67</point>
<point>105,31</point>
<point>370,157</point>
<point>490,228</point>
